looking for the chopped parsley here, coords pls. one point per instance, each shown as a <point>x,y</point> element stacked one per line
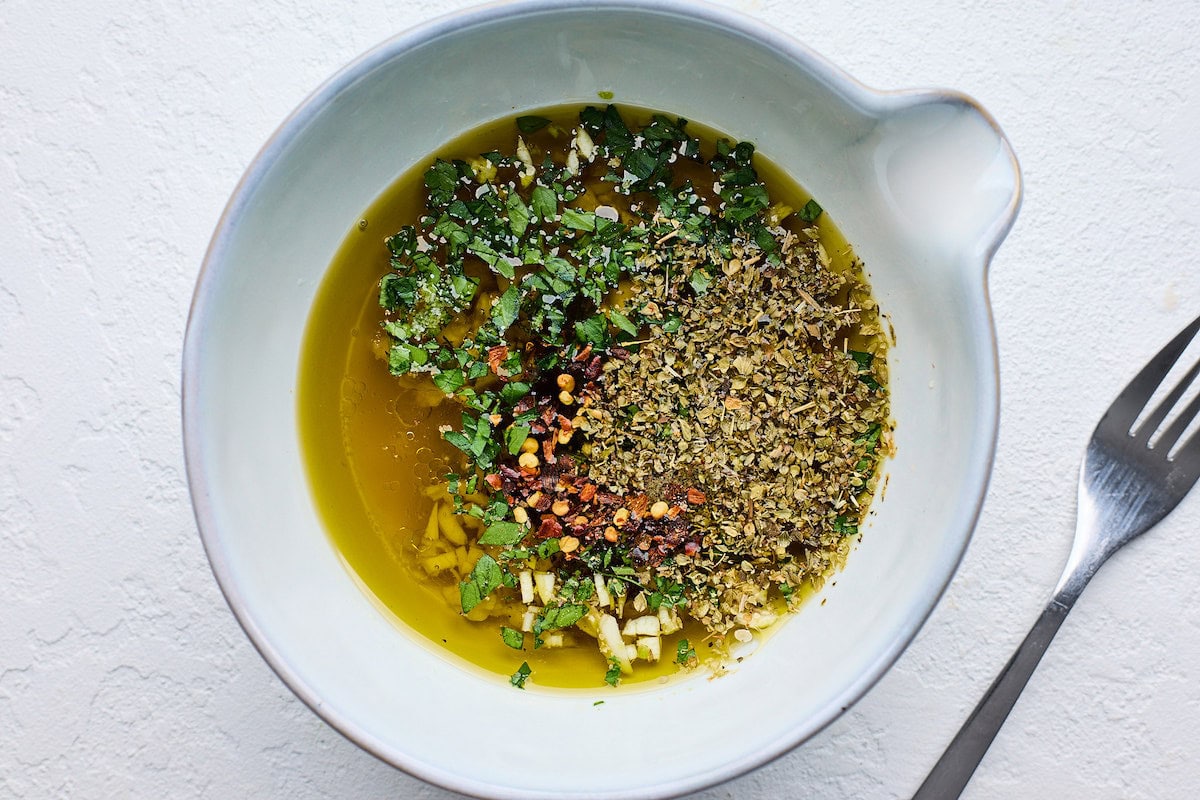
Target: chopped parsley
<point>504,534</point>
<point>563,616</point>
<point>668,593</point>
<point>522,674</point>
<point>531,123</point>
<point>847,526</point>
<point>513,638</point>
<point>484,577</point>
<point>613,676</point>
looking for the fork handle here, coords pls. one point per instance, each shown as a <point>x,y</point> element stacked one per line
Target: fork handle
<point>954,769</point>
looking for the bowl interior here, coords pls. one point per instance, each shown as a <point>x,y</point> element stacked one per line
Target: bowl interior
<point>922,185</point>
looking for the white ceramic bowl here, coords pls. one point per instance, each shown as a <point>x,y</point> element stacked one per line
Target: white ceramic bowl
<point>922,183</point>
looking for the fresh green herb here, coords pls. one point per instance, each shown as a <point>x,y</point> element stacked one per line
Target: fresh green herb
<point>618,140</point>
<point>530,123</point>
<point>516,554</point>
<point>563,616</point>
<point>613,676</point>
<point>844,525</point>
<point>507,308</point>
<point>485,577</point>
<point>593,330</point>
<point>518,214</point>
<point>504,534</point>
<point>577,589</point>
<point>512,637</point>
<point>864,360</point>
<point>579,220</point>
<point>544,203</point>
<point>441,180</point>
<point>684,652</point>
<point>811,211</point>
<point>668,593</point>
<point>512,392</point>
<point>623,322</point>
<point>871,437</point>
<point>521,675</point>
<point>515,437</point>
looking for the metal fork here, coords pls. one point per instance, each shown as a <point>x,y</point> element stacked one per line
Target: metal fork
<point>1126,485</point>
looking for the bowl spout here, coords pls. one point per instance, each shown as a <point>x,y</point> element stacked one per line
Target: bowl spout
<point>948,172</point>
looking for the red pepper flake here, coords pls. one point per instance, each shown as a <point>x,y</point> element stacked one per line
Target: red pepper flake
<point>493,481</point>
<point>695,497</point>
<point>587,492</point>
<point>638,504</point>
<point>550,527</point>
<point>525,404</point>
<point>496,356</point>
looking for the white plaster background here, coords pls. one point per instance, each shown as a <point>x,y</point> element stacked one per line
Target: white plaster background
<point>125,125</point>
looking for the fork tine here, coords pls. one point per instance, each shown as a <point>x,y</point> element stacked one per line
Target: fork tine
<point>1176,428</point>
<point>1133,398</point>
<point>1187,460</point>
<point>1156,417</point>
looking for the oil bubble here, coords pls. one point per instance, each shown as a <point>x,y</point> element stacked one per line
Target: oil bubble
<point>353,390</point>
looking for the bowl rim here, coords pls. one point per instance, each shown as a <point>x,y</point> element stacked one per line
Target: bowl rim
<point>879,102</point>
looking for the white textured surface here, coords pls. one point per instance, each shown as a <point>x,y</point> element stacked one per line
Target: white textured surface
<point>123,128</point>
